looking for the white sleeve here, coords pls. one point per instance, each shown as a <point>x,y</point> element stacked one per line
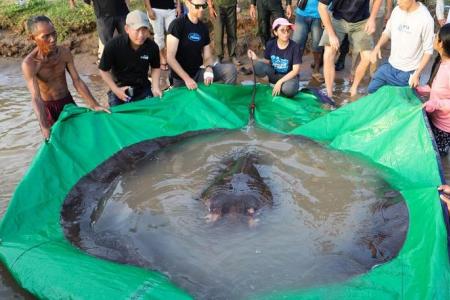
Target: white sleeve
<point>440,9</point>
<point>428,36</point>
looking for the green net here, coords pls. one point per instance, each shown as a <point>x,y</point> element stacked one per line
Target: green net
<point>386,129</point>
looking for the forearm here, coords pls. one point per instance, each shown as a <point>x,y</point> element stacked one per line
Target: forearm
<point>375,8</point>
<point>177,68</point>
<point>423,63</point>
<point>383,40</point>
<point>440,9</point>
<point>326,19</point>
<point>155,75</point>
<point>39,111</point>
<point>108,79</point>
<point>147,5</point>
<point>292,74</point>
<point>84,92</point>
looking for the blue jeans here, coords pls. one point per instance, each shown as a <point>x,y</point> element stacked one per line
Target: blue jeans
<point>288,89</point>
<point>388,75</point>
<point>303,26</point>
<point>113,100</point>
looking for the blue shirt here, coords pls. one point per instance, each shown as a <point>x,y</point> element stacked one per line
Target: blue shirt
<point>282,60</point>
<point>310,10</point>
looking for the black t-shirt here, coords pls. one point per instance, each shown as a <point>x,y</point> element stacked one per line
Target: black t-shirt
<point>351,11</point>
<point>162,4</point>
<point>282,60</point>
<point>128,66</point>
<point>110,8</point>
<point>192,38</point>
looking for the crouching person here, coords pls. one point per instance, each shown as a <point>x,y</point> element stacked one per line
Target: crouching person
<point>281,61</point>
<point>126,61</point>
<point>188,48</point>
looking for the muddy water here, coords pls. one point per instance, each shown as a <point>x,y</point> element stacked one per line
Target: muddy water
<point>20,138</point>
<point>332,217</point>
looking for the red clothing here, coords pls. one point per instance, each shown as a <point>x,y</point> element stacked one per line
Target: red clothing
<point>54,108</point>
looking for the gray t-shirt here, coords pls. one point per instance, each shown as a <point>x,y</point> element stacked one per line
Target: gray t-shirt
<point>411,37</point>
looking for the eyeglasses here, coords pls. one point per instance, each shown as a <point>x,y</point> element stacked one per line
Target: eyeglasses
<point>198,6</point>
<point>286,30</point>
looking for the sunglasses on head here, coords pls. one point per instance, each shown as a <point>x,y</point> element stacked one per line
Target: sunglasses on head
<point>198,6</point>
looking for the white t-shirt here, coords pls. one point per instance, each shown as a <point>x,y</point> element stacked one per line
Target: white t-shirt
<point>411,37</point>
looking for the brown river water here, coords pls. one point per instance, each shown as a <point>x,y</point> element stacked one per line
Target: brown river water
<point>339,225</point>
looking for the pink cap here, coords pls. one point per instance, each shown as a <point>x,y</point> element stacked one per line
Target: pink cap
<point>281,22</point>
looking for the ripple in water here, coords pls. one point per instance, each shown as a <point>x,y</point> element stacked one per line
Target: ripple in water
<point>332,217</point>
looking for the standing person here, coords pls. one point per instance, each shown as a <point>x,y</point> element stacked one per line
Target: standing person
<point>440,13</point>
<point>188,47</point>
<point>281,60</point>
<point>438,106</point>
<point>350,17</point>
<point>268,9</point>
<point>44,70</point>
<point>224,16</point>
<point>161,13</point>
<point>411,31</point>
<point>307,21</point>
<point>110,16</point>
<point>126,61</point>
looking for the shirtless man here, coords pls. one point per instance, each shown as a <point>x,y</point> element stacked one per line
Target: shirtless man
<point>44,70</point>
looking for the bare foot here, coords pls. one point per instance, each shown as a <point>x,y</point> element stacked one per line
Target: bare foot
<point>353,92</point>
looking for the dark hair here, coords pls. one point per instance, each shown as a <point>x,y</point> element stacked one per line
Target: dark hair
<point>32,22</point>
<point>444,37</point>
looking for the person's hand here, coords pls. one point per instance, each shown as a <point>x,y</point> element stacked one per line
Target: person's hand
<point>212,13</point>
<point>190,84</point>
<point>251,54</point>
<point>442,22</point>
<point>414,80</point>
<point>157,92</point>
<point>334,42</point>
<point>100,108</point>
<point>120,93</point>
<point>370,27</point>
<point>179,12</point>
<point>45,133</point>
<point>151,14</point>
<point>375,55</point>
<point>208,76</point>
<point>445,195</point>
<point>277,88</point>
<point>252,12</point>
<point>288,11</point>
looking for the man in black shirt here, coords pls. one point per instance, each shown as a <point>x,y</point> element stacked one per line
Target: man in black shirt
<point>188,47</point>
<point>350,17</point>
<point>126,60</point>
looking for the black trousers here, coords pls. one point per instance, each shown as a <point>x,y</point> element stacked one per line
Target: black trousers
<point>267,9</point>
<point>226,20</point>
<point>107,25</point>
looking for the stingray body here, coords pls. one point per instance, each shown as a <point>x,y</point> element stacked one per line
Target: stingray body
<point>239,189</point>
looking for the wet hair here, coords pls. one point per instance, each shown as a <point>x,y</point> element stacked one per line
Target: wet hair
<point>444,37</point>
<point>34,20</point>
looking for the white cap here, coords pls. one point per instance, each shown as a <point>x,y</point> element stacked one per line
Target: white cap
<point>137,19</point>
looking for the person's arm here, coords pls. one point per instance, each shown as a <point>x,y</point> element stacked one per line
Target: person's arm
<point>252,55</point>
<point>440,12</point>
<point>376,52</point>
<point>371,24</point>
<point>253,9</point>
<point>81,87</point>
<point>212,11</point>
<point>277,87</point>
<point>29,72</point>
<point>388,10</point>
<point>326,20</point>
<point>118,91</point>
<point>441,104</point>
<point>150,11</point>
<point>155,74</point>
<point>427,38</point>
<point>288,9</point>
<point>208,61</point>
<point>72,3</point>
<point>128,3</point>
<point>178,7</point>
<point>172,46</point>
